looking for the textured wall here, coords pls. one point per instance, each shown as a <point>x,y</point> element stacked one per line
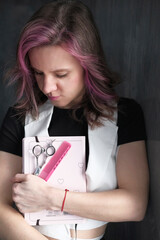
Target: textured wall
<point>130,32</point>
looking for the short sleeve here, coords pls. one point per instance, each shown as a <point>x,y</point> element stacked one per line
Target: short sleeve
<point>131,125</point>
<point>11,133</point>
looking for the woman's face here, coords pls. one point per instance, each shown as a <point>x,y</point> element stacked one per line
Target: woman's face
<point>59,75</point>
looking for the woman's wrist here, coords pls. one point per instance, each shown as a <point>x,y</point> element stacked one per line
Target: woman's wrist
<point>54,198</point>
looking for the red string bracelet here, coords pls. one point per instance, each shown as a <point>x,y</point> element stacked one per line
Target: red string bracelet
<point>66,190</point>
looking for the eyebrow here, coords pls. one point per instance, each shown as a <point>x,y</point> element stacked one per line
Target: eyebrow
<point>56,70</point>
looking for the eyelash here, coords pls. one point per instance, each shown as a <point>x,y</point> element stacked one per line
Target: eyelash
<point>58,76</point>
<point>61,76</point>
<point>38,73</point>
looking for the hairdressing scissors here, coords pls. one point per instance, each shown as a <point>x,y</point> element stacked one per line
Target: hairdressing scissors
<point>38,150</point>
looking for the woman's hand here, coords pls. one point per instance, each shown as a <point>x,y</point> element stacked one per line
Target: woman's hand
<point>30,193</point>
<point>12,224</point>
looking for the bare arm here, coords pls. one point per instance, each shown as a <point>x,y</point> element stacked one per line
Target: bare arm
<point>126,203</point>
<point>12,224</point>
<point>129,201</point>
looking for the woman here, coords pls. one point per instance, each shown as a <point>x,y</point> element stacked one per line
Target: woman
<point>61,73</point>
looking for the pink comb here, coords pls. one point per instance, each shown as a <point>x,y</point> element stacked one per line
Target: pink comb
<point>55,160</point>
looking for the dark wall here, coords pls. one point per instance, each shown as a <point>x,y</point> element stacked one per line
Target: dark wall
<point>130,31</point>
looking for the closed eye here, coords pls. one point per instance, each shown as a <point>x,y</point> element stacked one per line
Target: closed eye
<point>38,73</point>
<point>61,75</point>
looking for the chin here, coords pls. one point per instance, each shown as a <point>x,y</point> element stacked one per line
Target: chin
<point>65,106</point>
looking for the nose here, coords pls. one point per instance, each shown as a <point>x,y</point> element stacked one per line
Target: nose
<point>49,84</point>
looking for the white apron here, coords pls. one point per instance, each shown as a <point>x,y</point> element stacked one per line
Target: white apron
<point>101,170</point>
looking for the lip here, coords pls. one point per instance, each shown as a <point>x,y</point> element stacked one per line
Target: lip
<point>53,98</point>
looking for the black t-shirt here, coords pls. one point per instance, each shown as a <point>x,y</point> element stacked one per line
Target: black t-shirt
<point>130,124</point>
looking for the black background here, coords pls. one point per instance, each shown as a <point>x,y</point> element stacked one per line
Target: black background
<point>130,32</point>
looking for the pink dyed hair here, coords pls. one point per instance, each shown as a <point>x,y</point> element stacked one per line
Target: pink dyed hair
<point>70,25</point>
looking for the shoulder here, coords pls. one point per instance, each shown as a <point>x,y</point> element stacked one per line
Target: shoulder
<point>128,111</point>
<point>131,125</point>
<point>12,132</point>
<point>13,115</point>
<point>127,106</point>
<point>13,122</point>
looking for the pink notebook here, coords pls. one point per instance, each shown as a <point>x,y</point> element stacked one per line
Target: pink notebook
<point>61,162</point>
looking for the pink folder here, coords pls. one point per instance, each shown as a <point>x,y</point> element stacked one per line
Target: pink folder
<point>69,173</point>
